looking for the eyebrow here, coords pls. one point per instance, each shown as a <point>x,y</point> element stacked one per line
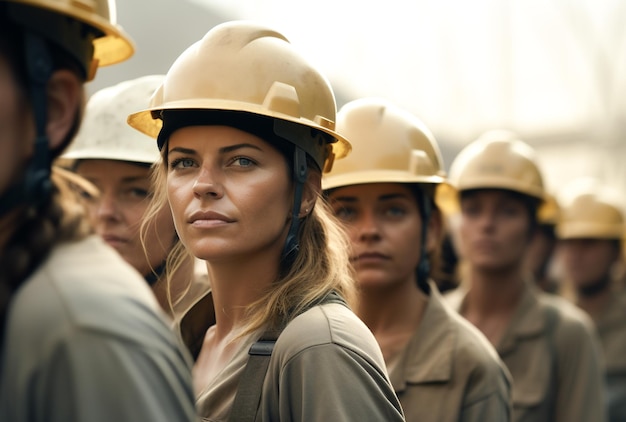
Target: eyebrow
<point>129,179</point>
<point>223,150</point>
<point>386,197</point>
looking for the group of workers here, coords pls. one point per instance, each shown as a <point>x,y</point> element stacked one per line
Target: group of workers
<point>221,243</point>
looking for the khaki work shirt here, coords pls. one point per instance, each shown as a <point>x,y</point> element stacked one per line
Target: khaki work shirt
<point>450,372</point>
<point>87,341</point>
<point>611,326</point>
<point>326,366</point>
<point>553,354</point>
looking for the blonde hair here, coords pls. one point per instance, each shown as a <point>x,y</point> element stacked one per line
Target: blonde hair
<point>321,266</point>
<point>178,256</point>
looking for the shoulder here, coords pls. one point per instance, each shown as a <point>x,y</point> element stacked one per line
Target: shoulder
<point>329,325</point>
<point>475,356</point>
<point>85,286</point>
<point>568,318</point>
<point>573,329</point>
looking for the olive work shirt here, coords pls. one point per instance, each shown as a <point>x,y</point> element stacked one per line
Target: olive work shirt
<point>449,371</point>
<point>326,366</point>
<point>553,354</point>
<point>87,341</point>
<point>611,326</point>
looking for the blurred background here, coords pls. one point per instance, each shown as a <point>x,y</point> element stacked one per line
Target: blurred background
<point>554,71</point>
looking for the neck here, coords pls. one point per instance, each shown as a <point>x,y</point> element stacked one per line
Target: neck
<point>396,309</point>
<point>236,284</point>
<point>494,291</point>
<point>594,303</point>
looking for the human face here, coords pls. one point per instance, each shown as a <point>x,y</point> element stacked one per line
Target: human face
<point>17,134</point>
<point>230,194</point>
<point>494,229</point>
<point>125,193</point>
<point>385,229</point>
<point>587,261</point>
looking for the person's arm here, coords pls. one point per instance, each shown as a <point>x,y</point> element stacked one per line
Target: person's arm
<point>331,383</point>
<point>95,377</point>
<point>580,395</point>
<point>488,395</point>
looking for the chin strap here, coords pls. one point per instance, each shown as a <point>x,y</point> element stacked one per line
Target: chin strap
<point>35,187</point>
<point>423,268</point>
<point>300,170</point>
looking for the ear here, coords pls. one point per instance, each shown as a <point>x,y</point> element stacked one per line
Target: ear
<point>434,230</point>
<point>65,100</point>
<point>312,190</point>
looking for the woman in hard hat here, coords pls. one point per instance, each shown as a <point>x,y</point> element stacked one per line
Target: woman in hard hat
<point>590,232</point>
<point>117,160</point>
<point>245,126</point>
<point>82,337</point>
<point>549,346</point>
<point>441,367</point>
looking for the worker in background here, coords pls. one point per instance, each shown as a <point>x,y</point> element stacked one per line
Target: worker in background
<point>549,346</point>
<point>591,232</point>
<point>117,160</point>
<point>441,367</point>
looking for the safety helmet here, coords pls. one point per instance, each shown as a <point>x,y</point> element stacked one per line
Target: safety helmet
<point>389,145</point>
<point>591,210</point>
<point>549,213</point>
<point>104,133</point>
<point>110,43</point>
<point>496,160</point>
<point>246,67</point>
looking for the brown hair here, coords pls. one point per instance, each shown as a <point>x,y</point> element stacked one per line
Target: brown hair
<point>60,217</point>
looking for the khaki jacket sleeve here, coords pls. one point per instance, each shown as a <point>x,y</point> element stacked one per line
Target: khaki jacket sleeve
<point>347,387</point>
<point>581,395</point>
<point>99,378</point>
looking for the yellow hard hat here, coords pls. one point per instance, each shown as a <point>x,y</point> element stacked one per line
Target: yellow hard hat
<point>104,133</point>
<point>245,67</point>
<point>496,160</point>
<point>549,213</point>
<point>389,145</point>
<point>591,210</point>
<point>110,43</point>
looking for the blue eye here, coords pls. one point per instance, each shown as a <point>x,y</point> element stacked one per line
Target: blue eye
<point>244,161</point>
<point>182,163</point>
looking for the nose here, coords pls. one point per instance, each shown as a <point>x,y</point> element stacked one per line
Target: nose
<point>367,227</point>
<point>107,207</point>
<point>487,220</point>
<point>207,185</point>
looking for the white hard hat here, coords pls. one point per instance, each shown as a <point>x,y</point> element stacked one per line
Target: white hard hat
<point>104,133</point>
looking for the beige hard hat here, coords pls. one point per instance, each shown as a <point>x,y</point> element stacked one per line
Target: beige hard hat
<point>246,67</point>
<point>549,213</point>
<point>110,43</point>
<point>389,144</point>
<point>104,133</point>
<point>591,210</point>
<point>496,160</point>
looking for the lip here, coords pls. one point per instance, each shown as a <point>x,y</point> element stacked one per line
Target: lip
<point>204,218</point>
<point>485,245</point>
<point>369,257</point>
<point>114,240</point>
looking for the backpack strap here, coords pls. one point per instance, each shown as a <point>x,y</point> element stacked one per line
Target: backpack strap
<point>248,396</point>
<point>250,384</point>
